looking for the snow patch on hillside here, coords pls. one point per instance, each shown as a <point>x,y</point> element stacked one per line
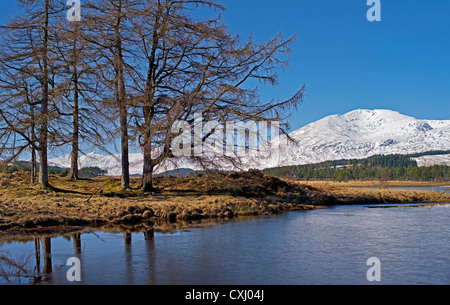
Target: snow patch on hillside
<point>425,161</point>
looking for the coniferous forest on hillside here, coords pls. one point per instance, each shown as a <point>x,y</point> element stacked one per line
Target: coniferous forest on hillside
<point>392,167</point>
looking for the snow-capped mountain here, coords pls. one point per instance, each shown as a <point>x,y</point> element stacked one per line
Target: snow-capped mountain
<point>111,163</point>
<point>361,134</point>
<point>355,135</point>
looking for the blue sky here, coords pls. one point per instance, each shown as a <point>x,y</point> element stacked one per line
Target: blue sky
<point>401,63</point>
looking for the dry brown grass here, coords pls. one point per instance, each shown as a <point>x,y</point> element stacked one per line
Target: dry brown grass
<point>378,184</point>
<point>99,202</point>
<point>364,195</point>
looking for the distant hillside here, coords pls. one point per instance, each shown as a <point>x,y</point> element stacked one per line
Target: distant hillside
<point>391,167</point>
<point>182,172</point>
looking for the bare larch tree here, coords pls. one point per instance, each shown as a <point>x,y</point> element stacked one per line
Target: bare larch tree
<point>195,65</point>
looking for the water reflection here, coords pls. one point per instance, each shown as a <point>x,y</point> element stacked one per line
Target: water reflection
<point>118,255</point>
<point>47,263</point>
<point>317,247</point>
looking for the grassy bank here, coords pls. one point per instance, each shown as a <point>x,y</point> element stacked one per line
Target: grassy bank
<point>99,202</point>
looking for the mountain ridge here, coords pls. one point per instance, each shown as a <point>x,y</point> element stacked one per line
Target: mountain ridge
<point>357,134</point>
<point>363,133</point>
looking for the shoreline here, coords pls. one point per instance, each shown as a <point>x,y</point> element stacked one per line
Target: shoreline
<point>165,227</point>
<point>219,197</point>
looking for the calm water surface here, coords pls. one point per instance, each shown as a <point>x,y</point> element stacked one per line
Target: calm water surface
<point>318,247</point>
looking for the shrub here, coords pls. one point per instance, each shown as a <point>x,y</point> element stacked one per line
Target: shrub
<point>4,182</point>
<point>64,173</point>
<point>92,172</point>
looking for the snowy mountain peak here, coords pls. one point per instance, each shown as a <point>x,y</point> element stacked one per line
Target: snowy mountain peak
<point>371,124</point>
<point>363,133</point>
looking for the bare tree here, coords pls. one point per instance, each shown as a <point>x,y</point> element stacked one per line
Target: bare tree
<point>151,63</point>
<point>197,66</point>
<point>27,40</point>
<point>67,72</point>
<point>110,33</point>
<point>17,117</point>
<point>75,59</point>
<point>43,138</point>
<point>80,63</point>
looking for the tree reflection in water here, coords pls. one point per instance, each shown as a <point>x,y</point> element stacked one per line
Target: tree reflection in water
<point>22,270</point>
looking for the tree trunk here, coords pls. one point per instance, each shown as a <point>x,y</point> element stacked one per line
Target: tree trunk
<point>76,129</point>
<point>149,112</point>
<point>75,137</point>
<point>121,100</point>
<point>47,250</point>
<point>33,150</point>
<point>37,253</point>
<point>43,158</point>
<point>77,242</point>
<point>149,165</point>
<point>33,166</point>
<point>147,177</point>
<point>43,137</point>
<point>124,144</point>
